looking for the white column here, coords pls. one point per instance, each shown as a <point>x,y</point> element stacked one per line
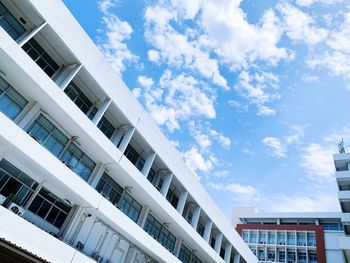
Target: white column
<point>29,115</point>
<point>72,71</point>
<point>228,251</point>
<point>148,163</point>
<point>31,34</point>
<point>34,194</point>
<point>130,255</point>
<point>166,184</point>
<point>143,216</point>
<point>101,111</point>
<point>182,202</point>
<point>317,222</point>
<point>195,217</point>
<point>207,230</point>
<point>126,139</point>
<point>218,242</point>
<point>177,247</point>
<point>96,175</point>
<point>237,257</point>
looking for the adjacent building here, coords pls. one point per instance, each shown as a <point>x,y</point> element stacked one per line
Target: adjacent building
<point>292,237</point>
<point>85,173</point>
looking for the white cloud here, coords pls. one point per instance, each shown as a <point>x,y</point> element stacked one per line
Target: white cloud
<point>276,147</point>
<point>153,55</point>
<point>196,162</point>
<point>245,193</point>
<point>311,2</point>
<point>299,26</point>
<point>113,44</point>
<point>177,98</point>
<point>267,111</point>
<point>317,161</point>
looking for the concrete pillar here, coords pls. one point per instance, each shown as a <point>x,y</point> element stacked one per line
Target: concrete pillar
<point>68,76</point>
<point>228,251</point>
<point>35,108</point>
<point>101,111</point>
<point>182,202</point>
<point>130,255</point>
<point>143,216</point>
<point>166,184</point>
<point>317,222</point>
<point>126,139</point>
<point>237,258</point>
<point>195,217</point>
<point>96,175</point>
<point>278,221</point>
<point>207,230</point>
<point>73,226</point>
<point>36,191</point>
<point>31,34</point>
<point>148,163</point>
<point>177,246</point>
<point>218,242</point>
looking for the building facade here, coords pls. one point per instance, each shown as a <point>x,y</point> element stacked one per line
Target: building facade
<point>85,173</point>
<point>292,237</point>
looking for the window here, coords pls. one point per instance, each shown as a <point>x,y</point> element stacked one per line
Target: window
<point>262,237</point>
<point>281,238</point>
<point>312,257</point>
<point>11,102</point>
<point>172,198</point>
<point>134,157</point>
<point>291,257</point>
<point>301,257</point>
<point>78,97</point>
<point>212,241</point>
<point>272,238</point>
<point>40,57</point>
<point>222,252</point>
<point>189,217</point>
<point>301,239</point>
<point>9,23</point>
<point>14,184</point>
<point>281,256</point>
<point>152,226</point>
<point>200,229</point>
<point>195,259</point>
<point>78,161</point>
<point>108,188</point>
<point>290,238</point>
<point>253,237</point>
<point>129,206</point>
<point>50,208</point>
<point>261,255</point>
<point>271,255</point>
<point>311,239</point>
<point>245,236</point>
<point>43,131</point>
<point>151,175</point>
<point>106,127</point>
<point>185,254</point>
<point>167,239</point>
<point>332,226</point>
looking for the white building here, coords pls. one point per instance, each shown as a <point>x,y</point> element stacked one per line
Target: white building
<point>341,162</point>
<point>85,174</point>
<point>292,237</point>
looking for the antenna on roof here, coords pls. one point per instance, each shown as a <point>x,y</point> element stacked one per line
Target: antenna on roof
<point>341,146</point>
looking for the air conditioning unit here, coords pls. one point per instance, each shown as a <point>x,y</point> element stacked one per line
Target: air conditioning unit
<point>16,209</point>
<point>97,257</point>
<point>80,246</point>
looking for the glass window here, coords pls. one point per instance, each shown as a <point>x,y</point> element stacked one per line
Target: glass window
<point>271,255</point>
<point>167,239</point>
<point>281,238</point>
<point>262,237</point>
<point>109,189</point>
<point>10,24</point>
<point>261,255</point>
<point>14,184</point>
<point>151,175</point>
<point>301,239</point>
<point>312,257</point>
<point>78,161</point>
<point>43,131</point>
<point>281,256</point>
<point>301,257</point>
<point>272,238</point>
<point>311,239</point>
<point>332,226</point>
<point>185,254</point>
<point>129,206</point>
<point>245,236</point>
<point>40,57</point>
<point>172,198</point>
<point>11,102</point>
<point>195,259</point>
<point>291,257</point>
<point>253,237</point>
<point>222,252</point>
<point>50,208</point>
<point>290,238</point>
<point>78,97</point>
<point>134,157</point>
<point>200,229</point>
<point>106,127</point>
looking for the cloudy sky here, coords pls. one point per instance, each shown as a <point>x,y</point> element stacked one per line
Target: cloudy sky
<point>254,93</point>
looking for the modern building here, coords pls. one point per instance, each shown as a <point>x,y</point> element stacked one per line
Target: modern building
<point>342,174</point>
<point>291,237</point>
<point>85,173</point>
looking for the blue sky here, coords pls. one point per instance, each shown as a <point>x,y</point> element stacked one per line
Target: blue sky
<point>254,94</point>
